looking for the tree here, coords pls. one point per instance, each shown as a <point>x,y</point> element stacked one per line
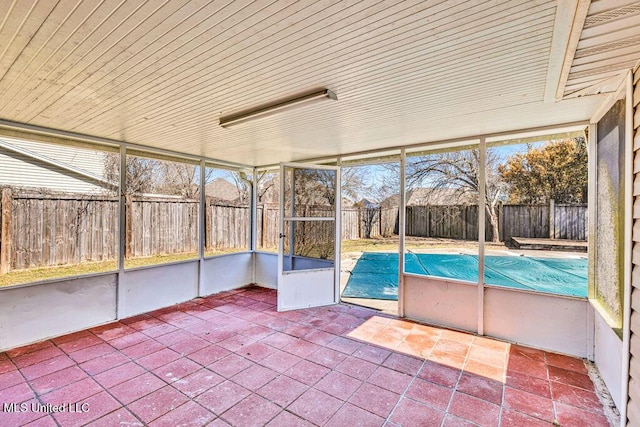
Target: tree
<point>460,170</point>
<point>313,187</point>
<point>370,185</point>
<point>354,180</point>
<point>556,171</point>
<point>140,172</point>
<point>146,175</point>
<point>268,187</point>
<point>178,179</point>
<point>353,185</point>
<point>243,184</point>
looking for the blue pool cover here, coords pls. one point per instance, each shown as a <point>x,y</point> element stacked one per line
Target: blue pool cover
<point>375,275</point>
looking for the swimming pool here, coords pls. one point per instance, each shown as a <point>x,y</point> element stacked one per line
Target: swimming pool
<point>375,274</point>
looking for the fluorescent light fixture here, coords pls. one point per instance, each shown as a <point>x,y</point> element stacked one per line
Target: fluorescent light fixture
<point>276,107</point>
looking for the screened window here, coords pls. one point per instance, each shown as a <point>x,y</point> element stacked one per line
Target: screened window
<point>59,211</point>
<point>227,211</point>
<point>161,205</point>
<point>536,208</point>
<point>441,223</point>
<point>268,186</point>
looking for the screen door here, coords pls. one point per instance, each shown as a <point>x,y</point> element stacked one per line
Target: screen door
<point>309,244</point>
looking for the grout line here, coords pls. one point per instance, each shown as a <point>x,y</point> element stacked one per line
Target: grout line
<point>107,389</point>
<point>146,370</point>
<point>243,310</point>
<point>36,395</point>
<point>505,361</point>
<point>553,401</point>
<point>388,419</point>
<point>455,387</point>
<point>154,374</point>
<point>504,391</point>
<point>89,375</point>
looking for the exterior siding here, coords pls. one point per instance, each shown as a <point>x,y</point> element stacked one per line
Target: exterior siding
<point>633,405</point>
<point>91,161</point>
<point>17,170</point>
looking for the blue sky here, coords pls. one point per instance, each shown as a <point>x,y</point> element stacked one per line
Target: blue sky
<point>377,175</point>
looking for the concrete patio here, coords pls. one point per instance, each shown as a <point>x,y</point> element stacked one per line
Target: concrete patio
<point>231,359</point>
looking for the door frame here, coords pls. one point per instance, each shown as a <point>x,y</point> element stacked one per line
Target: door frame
<point>286,277</point>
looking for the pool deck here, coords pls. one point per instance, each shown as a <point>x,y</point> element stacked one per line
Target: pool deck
<point>550,244</point>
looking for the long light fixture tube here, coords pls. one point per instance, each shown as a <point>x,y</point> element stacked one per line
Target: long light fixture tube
<point>276,107</point>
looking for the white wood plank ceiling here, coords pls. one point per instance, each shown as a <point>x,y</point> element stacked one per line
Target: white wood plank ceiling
<point>609,45</point>
<point>161,72</point>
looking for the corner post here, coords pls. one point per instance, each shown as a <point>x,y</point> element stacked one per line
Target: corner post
<point>6,232</point>
<point>202,208</point>
<point>482,217</point>
<point>552,219</point>
<point>402,211</point>
<point>123,235</point>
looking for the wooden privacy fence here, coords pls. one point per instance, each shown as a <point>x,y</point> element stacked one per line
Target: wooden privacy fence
<point>41,230</point>
<point>383,222</point>
<point>449,222</point>
<point>555,221</point>
<point>226,226</point>
<point>160,226</point>
<point>38,230</point>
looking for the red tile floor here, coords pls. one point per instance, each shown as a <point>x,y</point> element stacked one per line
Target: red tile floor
<point>231,359</point>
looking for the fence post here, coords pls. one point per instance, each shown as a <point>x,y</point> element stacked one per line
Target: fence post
<point>552,219</point>
<point>500,222</point>
<point>465,221</point>
<point>263,234</point>
<point>128,235</point>
<point>208,227</point>
<point>6,232</point>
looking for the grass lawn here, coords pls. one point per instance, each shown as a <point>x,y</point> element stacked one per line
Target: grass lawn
<point>215,252</point>
<point>391,244</point>
<point>362,245</point>
<point>158,259</point>
<point>18,277</point>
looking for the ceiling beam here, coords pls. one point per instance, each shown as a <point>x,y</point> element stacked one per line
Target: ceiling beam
<point>570,17</point>
<point>453,142</point>
<point>601,86</point>
<point>25,131</point>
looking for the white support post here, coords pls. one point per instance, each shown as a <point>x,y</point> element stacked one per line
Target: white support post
<point>481,231</point>
<point>337,234</point>
<point>122,228</point>
<point>292,213</point>
<point>253,244</point>
<point>253,226</point>
<point>202,210</point>
<point>401,231</point>
<point>201,225</point>
<point>281,215</point>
